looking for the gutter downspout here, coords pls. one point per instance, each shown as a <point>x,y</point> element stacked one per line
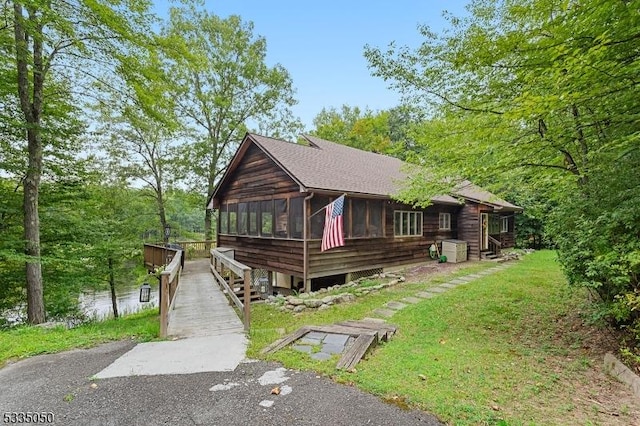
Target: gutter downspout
<point>305,242</point>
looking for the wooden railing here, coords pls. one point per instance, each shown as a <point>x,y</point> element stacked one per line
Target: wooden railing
<point>196,249</point>
<point>169,281</point>
<point>494,245</point>
<point>158,256</point>
<point>221,263</point>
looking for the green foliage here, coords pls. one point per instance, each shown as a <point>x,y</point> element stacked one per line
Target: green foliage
<point>539,99</point>
<point>384,132</point>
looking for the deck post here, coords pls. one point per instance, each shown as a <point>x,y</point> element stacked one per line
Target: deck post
<point>247,299</point>
<point>164,304</point>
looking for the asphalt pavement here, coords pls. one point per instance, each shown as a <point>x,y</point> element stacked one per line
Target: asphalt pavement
<point>65,385</point>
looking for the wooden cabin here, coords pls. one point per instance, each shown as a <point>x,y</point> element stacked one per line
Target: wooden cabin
<point>270,203</point>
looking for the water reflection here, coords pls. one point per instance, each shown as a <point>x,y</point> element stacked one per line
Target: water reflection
<point>97,304</point>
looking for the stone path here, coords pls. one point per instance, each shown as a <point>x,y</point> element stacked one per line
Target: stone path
<point>390,308</point>
<point>321,346</point>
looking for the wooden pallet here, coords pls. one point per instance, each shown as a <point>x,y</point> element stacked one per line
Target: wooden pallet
<point>366,332</point>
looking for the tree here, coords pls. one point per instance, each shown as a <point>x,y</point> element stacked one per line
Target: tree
<point>56,42</point>
<point>223,87</point>
<point>384,132</point>
<point>544,95</point>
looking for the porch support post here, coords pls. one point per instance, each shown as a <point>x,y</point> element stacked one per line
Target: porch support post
<point>305,242</point>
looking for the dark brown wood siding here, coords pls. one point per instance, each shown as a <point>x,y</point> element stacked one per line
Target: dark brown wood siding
<point>469,228</point>
<point>266,253</point>
<point>256,177</point>
<point>369,253</point>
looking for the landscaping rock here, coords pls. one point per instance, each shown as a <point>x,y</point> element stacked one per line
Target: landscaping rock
<point>295,301</point>
<point>313,303</point>
<point>328,299</point>
<point>299,308</point>
<point>324,307</point>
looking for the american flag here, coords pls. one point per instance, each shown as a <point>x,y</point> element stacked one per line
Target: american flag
<point>332,235</point>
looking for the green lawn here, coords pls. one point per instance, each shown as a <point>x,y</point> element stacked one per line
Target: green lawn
<point>27,341</point>
<point>496,351</point>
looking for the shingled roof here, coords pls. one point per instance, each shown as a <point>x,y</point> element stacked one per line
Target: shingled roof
<point>328,166</point>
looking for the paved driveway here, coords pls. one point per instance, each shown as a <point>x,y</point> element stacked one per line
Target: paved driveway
<point>62,384</point>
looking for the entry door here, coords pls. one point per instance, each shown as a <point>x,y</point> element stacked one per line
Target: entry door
<point>484,231</point>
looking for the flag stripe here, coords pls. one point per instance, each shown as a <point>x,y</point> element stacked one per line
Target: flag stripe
<point>333,227</point>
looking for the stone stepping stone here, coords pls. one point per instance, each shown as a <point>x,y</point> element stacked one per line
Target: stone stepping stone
<point>384,312</point>
<point>310,341</point>
<point>332,349</point>
<point>336,339</point>
<point>395,305</point>
<point>412,300</point>
<point>425,294</point>
<point>459,281</point>
<point>449,285</point>
<point>302,348</point>
<point>483,273</point>
<point>474,276</point>
<point>320,356</point>
<point>438,289</point>
<point>376,320</point>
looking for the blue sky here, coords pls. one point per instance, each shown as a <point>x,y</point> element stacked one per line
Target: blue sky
<point>321,43</point>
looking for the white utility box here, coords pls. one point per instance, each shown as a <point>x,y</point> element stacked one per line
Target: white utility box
<point>455,250</point>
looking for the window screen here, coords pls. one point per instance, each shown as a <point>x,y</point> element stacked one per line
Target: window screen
<point>242,218</point>
<point>253,218</point>
<point>233,218</point>
<point>280,210</point>
<point>296,220</point>
<point>266,218</point>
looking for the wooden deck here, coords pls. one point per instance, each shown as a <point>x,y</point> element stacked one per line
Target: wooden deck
<point>200,308</point>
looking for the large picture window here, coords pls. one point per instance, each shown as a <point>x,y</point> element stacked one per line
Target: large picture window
<point>407,224</point>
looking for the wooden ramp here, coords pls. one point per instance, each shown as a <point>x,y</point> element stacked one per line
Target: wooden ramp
<point>200,308</point>
<point>367,333</point>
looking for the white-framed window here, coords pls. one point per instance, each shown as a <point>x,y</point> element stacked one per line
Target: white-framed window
<point>407,224</point>
<point>504,226</point>
<point>444,221</point>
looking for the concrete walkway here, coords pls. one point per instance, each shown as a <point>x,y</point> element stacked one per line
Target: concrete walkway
<point>206,333</point>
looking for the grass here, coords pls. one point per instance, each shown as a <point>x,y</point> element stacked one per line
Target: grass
<point>496,351</point>
<point>25,341</point>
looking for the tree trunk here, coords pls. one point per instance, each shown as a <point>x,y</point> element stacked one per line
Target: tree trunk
<point>33,267</point>
<point>31,109</point>
<point>112,287</point>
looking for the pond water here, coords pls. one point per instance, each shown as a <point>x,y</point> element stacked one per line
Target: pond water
<point>97,304</point>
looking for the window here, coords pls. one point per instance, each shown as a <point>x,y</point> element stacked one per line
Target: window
<point>233,218</point>
<point>505,225</point>
<point>224,219</point>
<point>242,218</point>
<point>253,218</point>
<point>266,218</point>
<point>444,221</point>
<point>358,218</point>
<point>295,217</point>
<point>375,219</point>
<point>280,209</point>
<point>407,223</point>
<point>317,221</point>
<point>494,224</point>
